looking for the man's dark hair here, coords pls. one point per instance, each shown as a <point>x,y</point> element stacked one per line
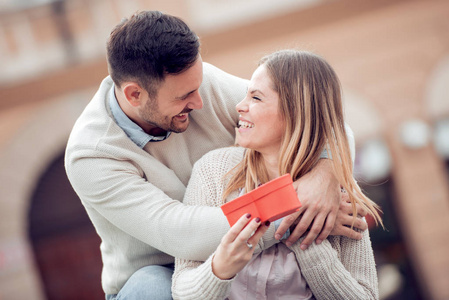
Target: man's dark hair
<point>149,45</point>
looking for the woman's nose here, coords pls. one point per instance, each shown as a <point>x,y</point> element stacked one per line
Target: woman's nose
<point>242,106</point>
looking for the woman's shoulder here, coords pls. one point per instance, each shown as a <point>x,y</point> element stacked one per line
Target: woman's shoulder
<point>228,156</point>
<point>206,184</point>
<point>216,163</point>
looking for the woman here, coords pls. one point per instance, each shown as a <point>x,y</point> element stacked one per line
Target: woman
<point>292,110</point>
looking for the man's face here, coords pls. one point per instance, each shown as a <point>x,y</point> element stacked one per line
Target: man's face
<point>176,97</point>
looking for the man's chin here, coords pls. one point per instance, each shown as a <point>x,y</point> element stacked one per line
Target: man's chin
<point>180,129</point>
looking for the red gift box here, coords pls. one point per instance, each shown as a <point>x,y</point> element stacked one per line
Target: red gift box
<point>270,201</point>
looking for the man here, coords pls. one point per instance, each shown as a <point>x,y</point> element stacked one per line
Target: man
<point>131,152</point>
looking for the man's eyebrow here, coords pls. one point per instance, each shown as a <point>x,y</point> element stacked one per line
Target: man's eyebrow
<point>184,96</point>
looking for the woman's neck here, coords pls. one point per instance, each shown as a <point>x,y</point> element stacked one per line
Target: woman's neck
<point>272,165</point>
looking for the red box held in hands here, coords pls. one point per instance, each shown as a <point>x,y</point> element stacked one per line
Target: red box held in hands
<point>270,201</point>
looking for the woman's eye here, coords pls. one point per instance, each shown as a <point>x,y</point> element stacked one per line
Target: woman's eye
<point>256,98</point>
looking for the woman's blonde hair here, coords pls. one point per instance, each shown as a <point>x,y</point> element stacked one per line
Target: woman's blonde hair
<point>310,102</point>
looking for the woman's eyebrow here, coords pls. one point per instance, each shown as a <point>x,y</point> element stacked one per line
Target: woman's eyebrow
<point>257,91</point>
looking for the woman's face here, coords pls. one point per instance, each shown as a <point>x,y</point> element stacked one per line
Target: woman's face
<point>260,124</point>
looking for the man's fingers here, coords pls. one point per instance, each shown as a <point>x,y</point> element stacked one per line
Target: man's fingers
<point>301,227</point>
<point>286,223</point>
<point>361,211</point>
<point>360,224</point>
<point>346,206</point>
<point>348,232</point>
<point>314,231</point>
<point>328,226</point>
<point>345,197</point>
<point>347,220</point>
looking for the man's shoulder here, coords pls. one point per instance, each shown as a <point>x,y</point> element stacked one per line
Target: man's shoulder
<point>98,104</point>
<point>95,120</point>
<point>213,74</point>
<point>221,89</point>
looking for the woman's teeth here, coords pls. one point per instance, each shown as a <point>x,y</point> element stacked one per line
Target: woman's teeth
<point>182,115</point>
<point>243,124</point>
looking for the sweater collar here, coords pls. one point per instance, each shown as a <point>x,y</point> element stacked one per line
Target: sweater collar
<point>132,130</point>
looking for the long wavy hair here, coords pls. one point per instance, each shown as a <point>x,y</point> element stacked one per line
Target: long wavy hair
<point>310,103</point>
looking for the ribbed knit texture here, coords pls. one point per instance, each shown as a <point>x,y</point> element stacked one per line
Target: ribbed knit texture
<point>133,196</point>
<point>339,268</point>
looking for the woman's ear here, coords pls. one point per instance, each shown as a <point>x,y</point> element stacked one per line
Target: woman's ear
<point>133,93</point>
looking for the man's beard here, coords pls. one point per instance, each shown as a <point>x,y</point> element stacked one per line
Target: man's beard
<point>152,117</point>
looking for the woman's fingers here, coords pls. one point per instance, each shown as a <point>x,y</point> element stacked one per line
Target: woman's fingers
<point>247,233</point>
<point>237,246</point>
<point>254,239</point>
<point>243,230</point>
<point>235,230</point>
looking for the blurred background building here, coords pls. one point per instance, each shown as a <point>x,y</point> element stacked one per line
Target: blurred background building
<point>392,57</point>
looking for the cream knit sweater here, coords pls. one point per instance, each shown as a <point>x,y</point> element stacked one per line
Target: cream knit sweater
<point>133,196</point>
<point>339,268</point>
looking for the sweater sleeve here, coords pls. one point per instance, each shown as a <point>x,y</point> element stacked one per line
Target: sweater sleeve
<point>195,279</point>
<point>340,268</point>
<point>351,143</point>
<point>119,193</point>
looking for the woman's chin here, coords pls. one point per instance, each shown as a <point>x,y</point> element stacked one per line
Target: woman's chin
<point>241,142</point>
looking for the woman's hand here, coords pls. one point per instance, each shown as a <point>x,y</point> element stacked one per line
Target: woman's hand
<point>237,247</point>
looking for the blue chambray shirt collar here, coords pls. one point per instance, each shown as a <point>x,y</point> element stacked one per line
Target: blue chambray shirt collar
<point>132,130</point>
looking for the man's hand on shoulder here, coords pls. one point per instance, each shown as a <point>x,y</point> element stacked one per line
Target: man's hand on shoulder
<point>345,219</point>
<point>325,209</point>
<point>319,193</point>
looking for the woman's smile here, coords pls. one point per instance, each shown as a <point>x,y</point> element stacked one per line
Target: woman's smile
<point>260,124</point>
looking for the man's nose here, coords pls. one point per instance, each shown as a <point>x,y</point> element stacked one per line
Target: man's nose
<point>195,102</point>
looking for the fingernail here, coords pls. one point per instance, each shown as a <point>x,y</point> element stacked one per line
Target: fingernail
<point>277,236</point>
<point>267,223</point>
<point>289,244</point>
<point>257,220</point>
<point>304,247</point>
<point>318,242</point>
<point>248,216</point>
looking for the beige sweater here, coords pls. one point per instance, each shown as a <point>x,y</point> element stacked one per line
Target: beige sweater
<point>133,196</point>
<point>339,268</point>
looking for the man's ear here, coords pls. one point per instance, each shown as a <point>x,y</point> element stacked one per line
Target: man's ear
<point>133,93</point>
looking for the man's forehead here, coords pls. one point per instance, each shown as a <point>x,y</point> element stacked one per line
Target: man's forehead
<point>180,85</point>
